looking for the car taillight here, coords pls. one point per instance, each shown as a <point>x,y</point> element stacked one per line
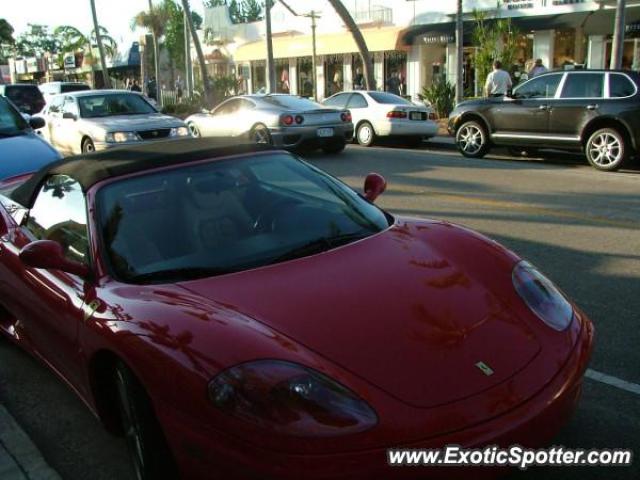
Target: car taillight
<point>287,120</point>
<point>396,114</point>
<point>299,119</point>
<point>345,116</point>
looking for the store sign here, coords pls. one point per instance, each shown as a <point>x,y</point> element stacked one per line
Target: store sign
<point>439,38</point>
<point>21,66</point>
<point>32,65</point>
<point>518,4</point>
<point>70,61</point>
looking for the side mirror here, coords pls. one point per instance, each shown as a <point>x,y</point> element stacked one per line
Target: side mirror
<point>48,254</point>
<point>69,115</point>
<point>374,186</point>
<point>36,122</point>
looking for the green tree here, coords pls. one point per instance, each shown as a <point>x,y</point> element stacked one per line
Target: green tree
<point>36,41</point>
<point>174,31</point>
<point>6,39</point>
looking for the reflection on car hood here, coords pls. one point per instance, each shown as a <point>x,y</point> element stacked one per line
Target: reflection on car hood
<point>24,154</point>
<point>135,122</point>
<point>411,310</point>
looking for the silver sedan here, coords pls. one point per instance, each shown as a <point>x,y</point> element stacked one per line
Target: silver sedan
<point>283,120</point>
<point>87,121</point>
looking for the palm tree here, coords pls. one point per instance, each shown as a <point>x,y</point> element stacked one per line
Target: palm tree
<point>344,14</point>
<point>103,60</point>
<point>109,43</point>
<point>153,20</point>
<point>196,43</point>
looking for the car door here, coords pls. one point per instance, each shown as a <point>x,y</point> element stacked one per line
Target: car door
<point>67,135</point>
<point>48,304</point>
<point>219,122</point>
<point>358,106</point>
<point>526,113</point>
<point>580,100</point>
<point>244,115</point>
<point>53,119</point>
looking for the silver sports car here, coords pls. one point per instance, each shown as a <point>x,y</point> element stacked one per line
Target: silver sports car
<point>284,120</point>
<point>93,120</point>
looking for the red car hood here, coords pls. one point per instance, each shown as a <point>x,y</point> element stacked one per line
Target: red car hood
<point>409,310</point>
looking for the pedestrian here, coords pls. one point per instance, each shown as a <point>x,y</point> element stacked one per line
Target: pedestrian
<point>393,83</point>
<point>152,88</point>
<point>179,86</point>
<point>498,81</point>
<point>538,69</point>
<point>135,87</point>
<point>358,80</point>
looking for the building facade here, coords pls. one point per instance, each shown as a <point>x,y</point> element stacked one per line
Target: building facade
<point>412,42</point>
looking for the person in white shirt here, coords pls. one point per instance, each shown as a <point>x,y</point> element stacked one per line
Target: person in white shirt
<point>538,69</point>
<point>498,81</point>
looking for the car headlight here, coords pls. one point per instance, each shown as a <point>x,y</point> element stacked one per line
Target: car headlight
<point>542,296</point>
<point>179,132</point>
<point>119,137</point>
<point>290,399</point>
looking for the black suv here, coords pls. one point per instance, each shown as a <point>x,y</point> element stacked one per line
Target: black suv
<point>26,96</point>
<point>595,111</point>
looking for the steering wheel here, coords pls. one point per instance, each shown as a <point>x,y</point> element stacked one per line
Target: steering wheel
<point>265,222</point>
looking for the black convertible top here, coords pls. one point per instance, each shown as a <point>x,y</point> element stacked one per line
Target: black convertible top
<point>89,169</point>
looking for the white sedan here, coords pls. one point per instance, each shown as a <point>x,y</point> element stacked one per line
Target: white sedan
<point>382,114</point>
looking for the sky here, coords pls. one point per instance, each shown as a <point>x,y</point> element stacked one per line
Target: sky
<point>114,15</point>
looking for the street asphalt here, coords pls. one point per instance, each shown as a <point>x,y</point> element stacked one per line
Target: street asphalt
<point>580,226</point>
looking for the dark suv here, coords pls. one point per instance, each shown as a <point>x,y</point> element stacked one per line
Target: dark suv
<point>595,111</point>
<point>26,96</point>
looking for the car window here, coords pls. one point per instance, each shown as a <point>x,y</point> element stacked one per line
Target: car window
<point>11,122</point>
<point>228,108</point>
<point>55,105</point>
<point>105,105</point>
<point>28,98</point>
<point>338,101</point>
<point>620,86</point>
<point>246,104</point>
<point>59,214</point>
<point>389,98</point>
<point>583,85</point>
<point>357,101</point>
<point>69,106</point>
<point>540,87</point>
<point>290,102</point>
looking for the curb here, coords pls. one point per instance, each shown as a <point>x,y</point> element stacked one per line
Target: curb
<point>19,457</point>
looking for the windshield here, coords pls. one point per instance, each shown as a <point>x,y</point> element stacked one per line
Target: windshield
<point>11,122</point>
<point>92,106</point>
<point>227,216</point>
<point>389,98</point>
<point>291,102</point>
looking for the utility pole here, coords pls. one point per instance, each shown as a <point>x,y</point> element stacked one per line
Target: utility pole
<point>271,70</point>
<point>314,59</point>
<point>459,54</point>
<point>187,58</point>
<point>618,37</point>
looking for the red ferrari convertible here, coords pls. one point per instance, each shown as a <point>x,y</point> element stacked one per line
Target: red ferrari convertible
<point>237,313</point>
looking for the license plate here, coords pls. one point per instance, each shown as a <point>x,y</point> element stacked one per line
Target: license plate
<point>325,132</point>
<point>416,116</point>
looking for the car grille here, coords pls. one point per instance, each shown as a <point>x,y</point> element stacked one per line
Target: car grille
<point>154,134</point>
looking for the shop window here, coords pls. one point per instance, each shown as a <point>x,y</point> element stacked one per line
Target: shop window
<point>305,77</point>
<point>258,76</point>
<point>584,85</point>
<point>395,68</point>
<point>627,55</point>
<point>282,76</point>
<point>333,66</point>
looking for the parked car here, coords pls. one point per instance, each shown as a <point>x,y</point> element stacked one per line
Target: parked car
<point>26,96</point>
<point>21,150</point>
<point>595,111</point>
<point>93,120</point>
<point>276,119</point>
<point>382,114</point>
<point>229,310</point>
<point>55,88</point>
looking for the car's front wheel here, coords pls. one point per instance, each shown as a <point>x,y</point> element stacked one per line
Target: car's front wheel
<point>607,149</point>
<point>472,140</point>
<point>147,446</point>
<point>365,135</point>
<point>88,146</point>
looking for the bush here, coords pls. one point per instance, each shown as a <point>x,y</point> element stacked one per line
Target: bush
<point>440,96</point>
<point>184,108</point>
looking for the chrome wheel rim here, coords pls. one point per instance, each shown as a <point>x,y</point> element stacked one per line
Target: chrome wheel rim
<point>605,149</point>
<point>470,139</point>
<point>364,134</point>
<point>261,136</point>
<point>132,427</point>
<point>194,130</point>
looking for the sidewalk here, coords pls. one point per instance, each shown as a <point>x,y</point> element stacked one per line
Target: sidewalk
<point>19,457</point>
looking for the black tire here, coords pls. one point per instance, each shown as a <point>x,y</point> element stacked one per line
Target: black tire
<point>472,139</point>
<point>365,134</point>
<point>334,147</point>
<point>607,149</point>
<point>148,448</point>
<point>261,135</point>
<point>195,131</point>
<point>523,151</point>
<point>88,146</point>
